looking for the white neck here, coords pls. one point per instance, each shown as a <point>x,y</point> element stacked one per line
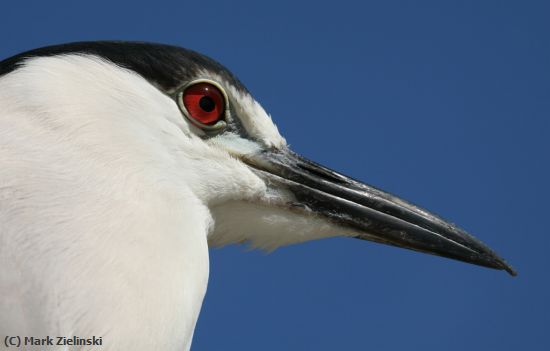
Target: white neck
<point>104,228</point>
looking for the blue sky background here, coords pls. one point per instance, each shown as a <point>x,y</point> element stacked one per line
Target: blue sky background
<point>445,103</point>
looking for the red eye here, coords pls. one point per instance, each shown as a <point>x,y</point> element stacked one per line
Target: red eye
<point>204,103</point>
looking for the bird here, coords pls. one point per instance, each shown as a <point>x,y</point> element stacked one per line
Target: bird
<point>123,162</point>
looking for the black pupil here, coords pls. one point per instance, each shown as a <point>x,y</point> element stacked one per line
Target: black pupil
<point>207,103</point>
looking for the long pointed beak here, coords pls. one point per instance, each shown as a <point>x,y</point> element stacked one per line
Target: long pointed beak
<point>374,214</point>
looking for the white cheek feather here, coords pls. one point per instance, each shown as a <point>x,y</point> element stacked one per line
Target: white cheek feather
<point>269,226</point>
<point>235,144</point>
<point>256,121</point>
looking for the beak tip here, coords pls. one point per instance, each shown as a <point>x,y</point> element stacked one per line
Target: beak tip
<point>501,264</point>
<point>509,269</point>
<point>492,260</point>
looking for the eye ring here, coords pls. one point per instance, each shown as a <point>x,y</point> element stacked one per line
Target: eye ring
<point>221,122</point>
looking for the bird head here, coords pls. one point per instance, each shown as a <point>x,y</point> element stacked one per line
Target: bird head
<point>185,124</point>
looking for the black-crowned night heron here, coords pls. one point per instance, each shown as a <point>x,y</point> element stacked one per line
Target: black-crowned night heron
<point>122,162</point>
